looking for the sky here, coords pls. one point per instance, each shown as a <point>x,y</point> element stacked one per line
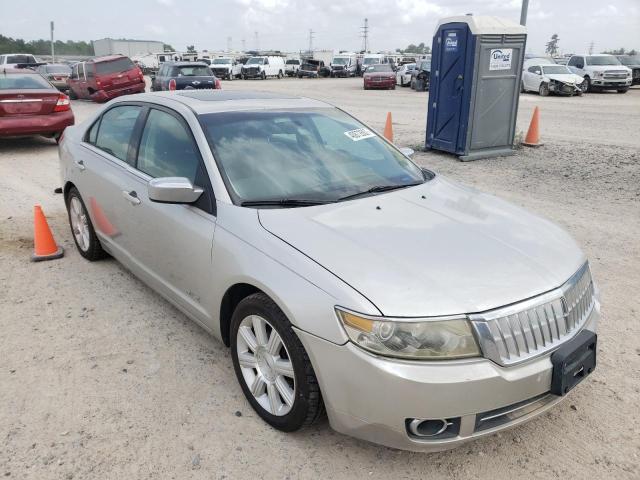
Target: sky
<point>285,24</point>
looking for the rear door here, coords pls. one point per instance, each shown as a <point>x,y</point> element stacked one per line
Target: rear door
<point>446,99</point>
<point>171,244</point>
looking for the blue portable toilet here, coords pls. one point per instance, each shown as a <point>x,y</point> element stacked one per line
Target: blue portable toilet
<point>476,69</point>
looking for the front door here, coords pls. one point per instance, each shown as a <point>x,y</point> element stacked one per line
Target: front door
<point>446,99</point>
<point>171,244</point>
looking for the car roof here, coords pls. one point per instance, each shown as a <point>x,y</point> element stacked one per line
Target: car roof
<point>217,101</point>
<point>187,64</point>
<point>107,58</point>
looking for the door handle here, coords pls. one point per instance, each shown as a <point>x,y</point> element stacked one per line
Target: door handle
<point>131,196</point>
<point>80,164</point>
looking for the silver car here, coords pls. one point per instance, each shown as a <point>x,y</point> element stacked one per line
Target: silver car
<point>418,312</point>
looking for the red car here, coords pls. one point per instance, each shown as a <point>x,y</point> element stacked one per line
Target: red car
<point>30,105</point>
<point>104,78</point>
<point>379,76</point>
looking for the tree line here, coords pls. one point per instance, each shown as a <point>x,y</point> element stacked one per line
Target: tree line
<point>43,47</point>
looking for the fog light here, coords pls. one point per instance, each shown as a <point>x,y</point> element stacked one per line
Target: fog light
<point>428,428</point>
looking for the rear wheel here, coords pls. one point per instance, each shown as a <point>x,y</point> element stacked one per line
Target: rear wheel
<point>84,235</point>
<point>543,90</point>
<point>273,368</point>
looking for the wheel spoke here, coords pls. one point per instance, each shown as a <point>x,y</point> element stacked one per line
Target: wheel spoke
<point>248,337</point>
<point>259,327</point>
<point>274,398</point>
<point>286,392</point>
<point>284,367</point>
<point>247,360</point>
<point>257,387</point>
<point>275,343</point>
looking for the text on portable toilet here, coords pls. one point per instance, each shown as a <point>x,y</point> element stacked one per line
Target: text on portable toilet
<point>500,59</point>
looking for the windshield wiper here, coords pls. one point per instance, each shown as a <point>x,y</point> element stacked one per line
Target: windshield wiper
<point>283,202</point>
<point>378,189</point>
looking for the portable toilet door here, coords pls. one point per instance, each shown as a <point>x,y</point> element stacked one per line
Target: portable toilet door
<point>450,87</point>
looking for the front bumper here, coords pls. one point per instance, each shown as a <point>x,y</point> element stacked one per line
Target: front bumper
<point>380,83</point>
<point>372,397</point>
<point>35,124</point>
<point>613,84</point>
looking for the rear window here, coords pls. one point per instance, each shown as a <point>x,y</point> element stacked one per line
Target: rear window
<point>19,82</point>
<point>191,71</point>
<point>20,59</point>
<point>379,68</point>
<point>114,66</point>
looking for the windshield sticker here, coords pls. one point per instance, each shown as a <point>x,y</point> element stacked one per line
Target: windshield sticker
<point>359,134</point>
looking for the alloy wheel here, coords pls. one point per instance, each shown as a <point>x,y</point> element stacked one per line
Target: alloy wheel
<point>79,223</point>
<point>266,365</point>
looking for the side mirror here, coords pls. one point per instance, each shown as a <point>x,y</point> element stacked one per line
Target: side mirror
<point>172,190</point>
<point>406,151</point>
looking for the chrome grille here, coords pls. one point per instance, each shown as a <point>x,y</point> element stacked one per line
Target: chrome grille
<point>527,329</point>
<point>615,74</point>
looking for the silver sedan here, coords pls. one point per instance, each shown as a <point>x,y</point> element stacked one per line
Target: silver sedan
<point>418,312</point>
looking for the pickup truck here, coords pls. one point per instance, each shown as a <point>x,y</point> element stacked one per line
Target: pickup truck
<point>601,72</point>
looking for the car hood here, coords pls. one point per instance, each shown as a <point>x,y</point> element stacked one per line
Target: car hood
<point>435,249</point>
<point>380,74</point>
<point>565,77</point>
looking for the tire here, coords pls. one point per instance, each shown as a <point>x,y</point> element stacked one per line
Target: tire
<point>87,244</point>
<point>258,313</point>
<point>413,84</point>
<point>586,85</point>
<point>543,90</point>
<point>393,88</point>
<point>623,90</point>
<point>263,76</point>
<point>280,75</point>
<point>72,94</point>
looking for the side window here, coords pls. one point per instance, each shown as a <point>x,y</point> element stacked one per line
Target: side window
<point>116,127</point>
<point>534,69</point>
<point>89,70</point>
<point>167,148</point>
<point>74,72</point>
<point>92,134</point>
<point>81,70</point>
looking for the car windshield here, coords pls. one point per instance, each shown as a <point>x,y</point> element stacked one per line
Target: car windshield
<point>293,62</point>
<point>555,69</point>
<point>425,66</point>
<point>58,69</point>
<point>318,155</point>
<point>379,68</point>
<point>21,59</point>
<point>191,71</point>
<point>221,61</point>
<point>340,60</point>
<point>114,66</point>
<point>255,61</point>
<point>370,61</point>
<point>629,60</point>
<point>602,60</point>
<point>16,81</point>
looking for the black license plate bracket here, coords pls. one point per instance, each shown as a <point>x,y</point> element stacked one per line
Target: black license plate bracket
<point>573,362</point>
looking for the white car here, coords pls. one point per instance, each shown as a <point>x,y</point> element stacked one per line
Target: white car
<point>546,79</point>
<point>601,72</point>
<point>13,59</point>
<point>226,67</point>
<point>403,74</point>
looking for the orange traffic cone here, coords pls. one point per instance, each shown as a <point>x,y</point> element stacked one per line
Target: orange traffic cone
<point>388,128</point>
<point>533,134</point>
<point>45,245</point>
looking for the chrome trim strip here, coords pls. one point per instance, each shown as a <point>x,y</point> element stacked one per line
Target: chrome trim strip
<point>21,100</point>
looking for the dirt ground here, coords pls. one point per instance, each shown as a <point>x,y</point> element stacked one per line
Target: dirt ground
<point>100,378</point>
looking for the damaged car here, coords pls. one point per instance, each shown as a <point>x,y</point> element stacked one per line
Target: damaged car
<point>546,79</point>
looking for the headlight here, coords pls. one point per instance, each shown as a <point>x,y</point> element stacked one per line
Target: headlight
<point>599,74</point>
<point>432,339</point>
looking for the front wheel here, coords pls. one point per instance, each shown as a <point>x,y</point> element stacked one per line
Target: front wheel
<point>280,75</point>
<point>543,90</point>
<point>263,76</point>
<point>72,94</point>
<point>273,368</point>
<point>623,90</point>
<point>82,229</point>
<point>586,85</point>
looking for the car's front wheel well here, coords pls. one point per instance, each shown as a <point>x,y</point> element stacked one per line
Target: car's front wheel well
<point>232,297</point>
<point>68,186</point>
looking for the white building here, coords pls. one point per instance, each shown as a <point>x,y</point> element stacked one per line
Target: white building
<point>130,48</point>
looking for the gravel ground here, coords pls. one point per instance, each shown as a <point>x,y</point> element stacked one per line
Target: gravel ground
<point>101,378</point>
